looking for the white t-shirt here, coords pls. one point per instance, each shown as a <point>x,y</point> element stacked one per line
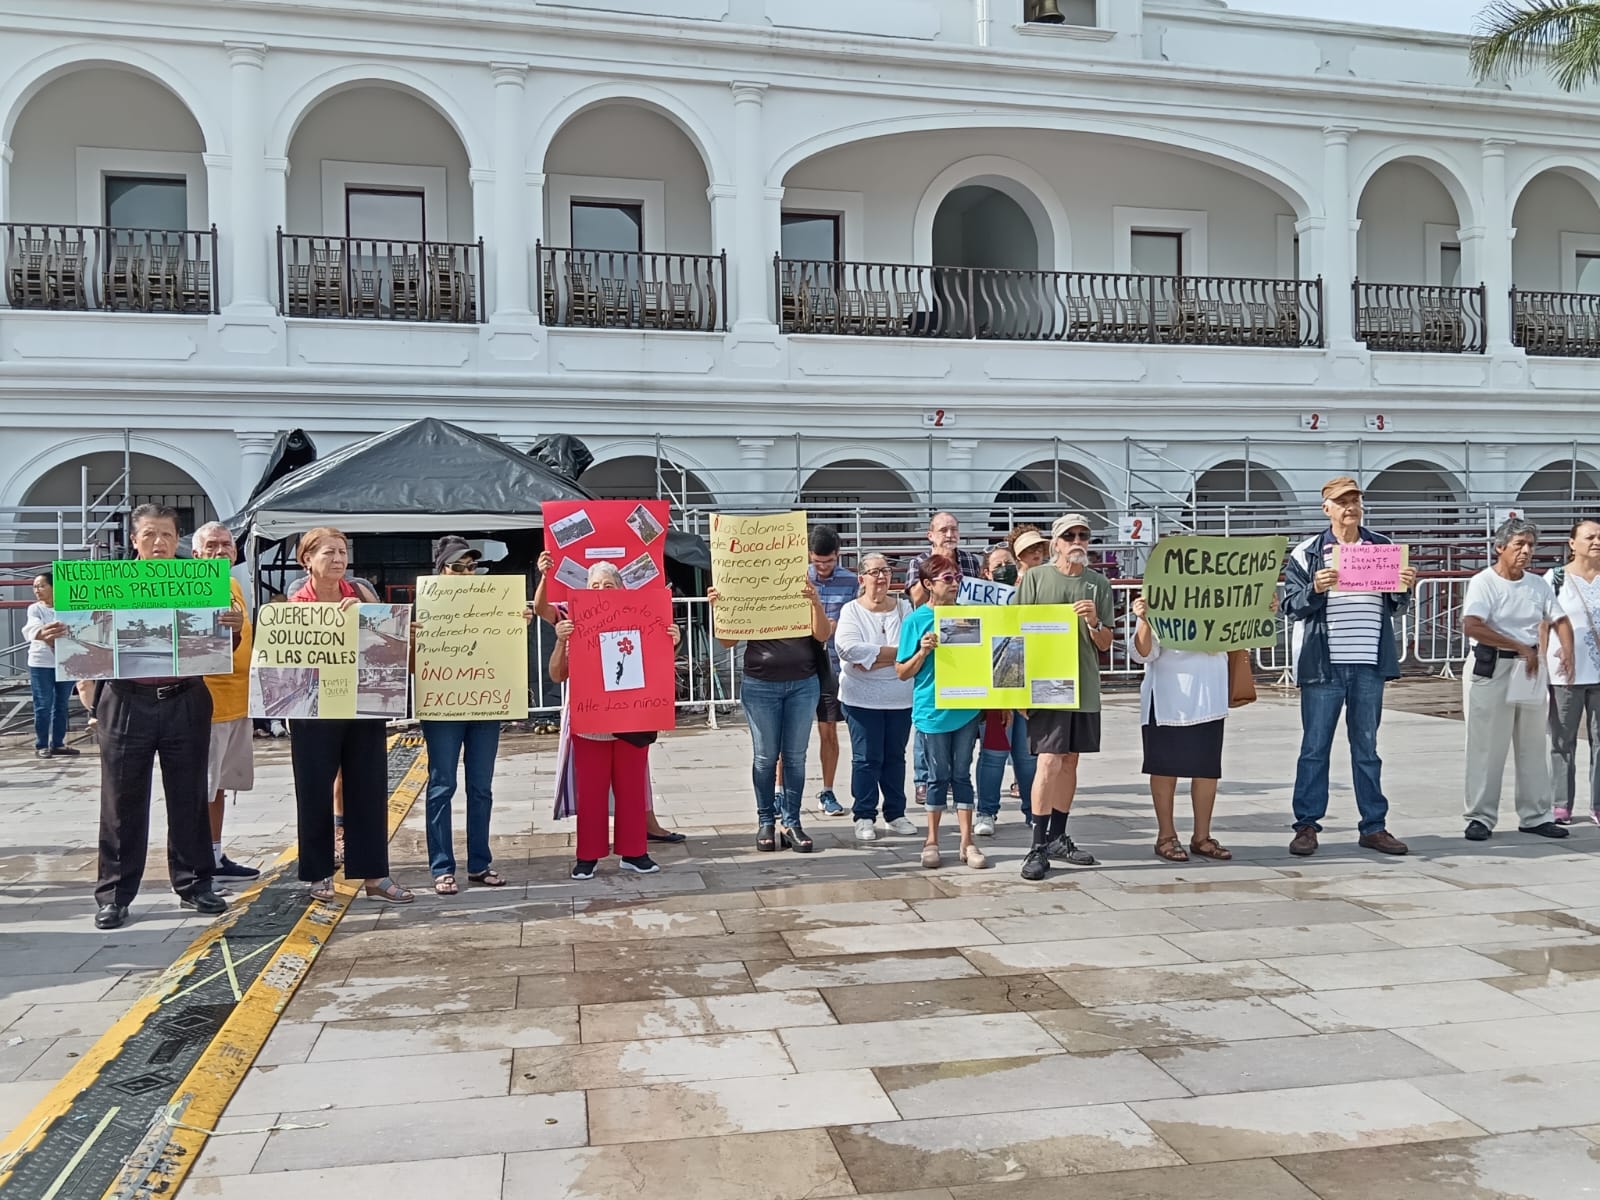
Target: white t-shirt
<point>860,635</point>
<point>1580,601</point>
<point>1515,608</point>
<point>40,653</point>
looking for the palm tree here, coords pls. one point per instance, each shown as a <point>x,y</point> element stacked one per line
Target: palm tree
<point>1563,34</point>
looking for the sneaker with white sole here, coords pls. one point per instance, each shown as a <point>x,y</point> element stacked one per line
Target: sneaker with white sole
<point>1065,850</point>
<point>641,863</point>
<point>829,804</point>
<point>983,827</point>
<point>866,831</point>
<point>903,827</point>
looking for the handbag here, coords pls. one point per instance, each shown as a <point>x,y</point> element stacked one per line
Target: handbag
<point>1241,679</point>
<point>825,672</point>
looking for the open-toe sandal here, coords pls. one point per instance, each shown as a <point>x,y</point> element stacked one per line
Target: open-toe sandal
<point>445,885</point>
<point>489,878</point>
<point>324,891</point>
<point>390,892</point>
<point>1171,850</point>
<point>766,838</point>
<point>1211,848</point>
<point>796,839</point>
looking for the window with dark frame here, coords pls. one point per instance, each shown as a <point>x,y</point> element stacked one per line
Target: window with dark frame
<point>1155,252</point>
<point>146,202</point>
<point>1587,280</point>
<point>608,225</point>
<point>1450,265</point>
<point>813,237</point>
<point>385,214</point>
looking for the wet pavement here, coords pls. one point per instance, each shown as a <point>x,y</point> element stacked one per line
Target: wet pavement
<point>776,1026</point>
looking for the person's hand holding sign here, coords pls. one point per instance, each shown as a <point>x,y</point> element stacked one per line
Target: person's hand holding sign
<point>563,630</point>
<point>1139,607</point>
<point>1408,578</point>
<point>231,619</point>
<point>547,562</point>
<point>1087,613</point>
<point>1325,580</point>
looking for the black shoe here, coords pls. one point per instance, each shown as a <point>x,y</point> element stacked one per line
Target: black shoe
<point>583,868</point>
<point>1477,831</point>
<point>206,903</point>
<point>63,752</point>
<point>110,916</point>
<point>672,838</point>
<point>641,863</point>
<point>1037,865</point>
<point>1064,849</point>
<point>1544,829</point>
<point>228,869</point>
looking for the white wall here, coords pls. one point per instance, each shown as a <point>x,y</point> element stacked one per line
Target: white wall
<point>1397,203</point>
<point>1549,206</point>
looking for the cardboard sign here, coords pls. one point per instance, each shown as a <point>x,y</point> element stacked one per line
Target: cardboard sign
<point>630,534</point>
<point>1214,593</point>
<point>984,591</point>
<point>313,661</point>
<point>1369,568</point>
<point>149,583</point>
<point>1016,656</point>
<point>472,648</point>
<point>758,566</point>
<point>143,643</point>
<point>621,670</point>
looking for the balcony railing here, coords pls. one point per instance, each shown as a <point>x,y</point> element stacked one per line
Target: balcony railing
<point>371,278</point>
<point>890,300</point>
<point>1564,324</point>
<point>104,268</point>
<point>626,290</point>
<point>1413,317</point>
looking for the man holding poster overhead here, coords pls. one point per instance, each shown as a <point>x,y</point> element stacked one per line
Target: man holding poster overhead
<point>1343,652</point>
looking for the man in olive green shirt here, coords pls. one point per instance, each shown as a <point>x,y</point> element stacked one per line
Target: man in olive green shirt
<point>1059,736</point>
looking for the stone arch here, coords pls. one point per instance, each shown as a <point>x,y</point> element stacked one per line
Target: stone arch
<point>1013,179</point>
<point>664,104</point>
<point>1412,480</point>
<point>850,493</point>
<point>634,477</point>
<point>306,99</point>
<point>1562,481</point>
<point>1448,173</point>
<point>1579,170</point>
<point>105,452</point>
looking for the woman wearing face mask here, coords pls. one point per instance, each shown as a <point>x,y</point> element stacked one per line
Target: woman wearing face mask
<point>1005,734</point>
<point>1575,684</point>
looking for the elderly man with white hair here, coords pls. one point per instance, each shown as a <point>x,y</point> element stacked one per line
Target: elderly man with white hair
<point>231,763</point>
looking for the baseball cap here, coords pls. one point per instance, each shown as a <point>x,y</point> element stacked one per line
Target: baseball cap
<point>1027,540</point>
<point>1071,521</point>
<point>1340,486</point>
<point>449,549</point>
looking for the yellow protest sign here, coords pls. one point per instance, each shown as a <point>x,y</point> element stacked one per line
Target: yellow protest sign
<point>330,662</point>
<point>758,566</point>
<point>1007,656</point>
<point>472,648</point>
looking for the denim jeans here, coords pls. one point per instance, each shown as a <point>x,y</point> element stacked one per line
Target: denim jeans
<point>950,766</point>
<point>446,742</point>
<point>1358,690</point>
<point>920,772</point>
<point>49,707</point>
<point>992,770</point>
<point>878,760</point>
<point>780,716</point>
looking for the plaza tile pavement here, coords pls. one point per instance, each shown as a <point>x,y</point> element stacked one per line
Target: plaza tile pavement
<point>772,1026</point>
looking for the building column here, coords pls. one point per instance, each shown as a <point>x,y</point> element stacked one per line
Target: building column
<point>248,182</point>
<point>510,227</point>
<point>532,183</point>
<point>957,475</point>
<point>753,480</point>
<point>1494,247</point>
<point>756,244</point>
<point>6,155</point>
<point>255,452</point>
<point>1338,237</point>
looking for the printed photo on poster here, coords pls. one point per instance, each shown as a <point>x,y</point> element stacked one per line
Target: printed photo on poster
<point>382,692</point>
<point>205,644</point>
<point>622,660</point>
<point>960,631</point>
<point>1053,692</point>
<point>639,572</point>
<point>145,642</point>
<point>88,649</point>
<point>571,528</point>
<point>1008,656</point>
<point>572,573</point>
<point>385,635</point>
<point>643,524</point>
<point>284,693</point>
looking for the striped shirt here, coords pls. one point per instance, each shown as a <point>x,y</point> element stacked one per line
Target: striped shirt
<point>835,592</point>
<point>1355,623</point>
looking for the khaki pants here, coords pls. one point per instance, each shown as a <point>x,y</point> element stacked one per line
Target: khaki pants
<point>1493,728</point>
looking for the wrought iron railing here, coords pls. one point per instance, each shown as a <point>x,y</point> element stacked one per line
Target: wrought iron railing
<point>626,290</point>
<point>1564,324</point>
<point>110,269</point>
<point>895,300</point>
<point>1418,317</point>
<point>374,278</point>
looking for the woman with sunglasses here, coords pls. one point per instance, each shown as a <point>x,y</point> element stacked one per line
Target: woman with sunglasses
<point>949,734</point>
<point>876,701</point>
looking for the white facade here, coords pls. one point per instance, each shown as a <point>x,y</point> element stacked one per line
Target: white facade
<point>940,133</point>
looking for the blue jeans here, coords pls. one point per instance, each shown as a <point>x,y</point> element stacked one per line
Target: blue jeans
<point>49,708</point>
<point>992,770</point>
<point>780,716</point>
<point>1358,690</point>
<point>878,760</point>
<point>446,741</point>
<point>950,766</point>
<point>920,772</point>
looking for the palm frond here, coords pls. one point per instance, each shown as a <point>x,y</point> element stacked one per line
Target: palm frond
<point>1564,35</point>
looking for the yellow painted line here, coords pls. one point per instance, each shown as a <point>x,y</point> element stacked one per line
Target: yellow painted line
<point>225,969</point>
<point>83,1150</point>
<point>233,976</point>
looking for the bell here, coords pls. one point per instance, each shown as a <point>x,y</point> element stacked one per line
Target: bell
<point>1042,12</point>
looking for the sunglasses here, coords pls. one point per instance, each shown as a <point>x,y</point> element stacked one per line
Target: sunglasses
<point>461,567</point>
<point>947,577</point>
<point>1076,535</point>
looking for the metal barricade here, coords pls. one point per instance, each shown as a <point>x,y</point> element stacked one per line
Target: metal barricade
<point>1437,636</point>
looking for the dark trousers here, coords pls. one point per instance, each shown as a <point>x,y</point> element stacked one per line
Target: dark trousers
<point>319,750</point>
<point>140,725</point>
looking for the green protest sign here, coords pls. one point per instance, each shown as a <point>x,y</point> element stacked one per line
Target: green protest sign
<point>114,584</point>
<point>1213,593</point>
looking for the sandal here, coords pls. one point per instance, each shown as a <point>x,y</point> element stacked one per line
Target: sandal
<point>389,892</point>
<point>1169,849</point>
<point>795,839</point>
<point>338,845</point>
<point>1211,848</point>
<point>445,885</point>
<point>489,878</point>
<point>324,891</point>
<point>766,839</point>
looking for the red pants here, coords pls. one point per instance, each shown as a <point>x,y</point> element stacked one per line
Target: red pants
<point>604,769</point>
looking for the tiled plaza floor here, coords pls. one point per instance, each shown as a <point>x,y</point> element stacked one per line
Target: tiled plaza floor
<point>749,1026</point>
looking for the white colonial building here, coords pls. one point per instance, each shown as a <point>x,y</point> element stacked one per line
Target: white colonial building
<point>1155,256</point>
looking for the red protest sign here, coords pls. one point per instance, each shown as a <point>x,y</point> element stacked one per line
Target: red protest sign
<point>629,534</point>
<point>620,661</point>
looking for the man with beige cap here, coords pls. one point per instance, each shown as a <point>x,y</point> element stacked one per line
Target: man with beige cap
<point>1343,653</point>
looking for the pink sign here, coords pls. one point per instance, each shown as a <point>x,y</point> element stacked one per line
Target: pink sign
<point>1365,568</point>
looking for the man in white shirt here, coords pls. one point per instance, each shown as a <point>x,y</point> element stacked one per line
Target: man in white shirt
<point>1508,616</point>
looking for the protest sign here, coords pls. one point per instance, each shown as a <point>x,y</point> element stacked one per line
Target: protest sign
<point>621,664</point>
<point>629,534</point>
<point>143,643</point>
<point>758,566</point>
<point>984,591</point>
<point>472,648</point>
<point>1010,656</point>
<point>87,585</point>
<point>1364,568</point>
<point>328,662</point>
<point>1213,593</point>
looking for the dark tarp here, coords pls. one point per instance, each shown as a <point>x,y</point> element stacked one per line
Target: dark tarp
<point>293,450</point>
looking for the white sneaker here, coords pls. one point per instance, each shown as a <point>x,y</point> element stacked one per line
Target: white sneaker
<point>903,826</point>
<point>865,832</point>
<point>279,729</point>
<point>983,826</point>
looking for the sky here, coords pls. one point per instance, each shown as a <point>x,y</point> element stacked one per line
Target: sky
<point>1453,16</point>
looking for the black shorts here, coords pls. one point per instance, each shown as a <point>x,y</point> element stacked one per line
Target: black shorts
<point>1062,731</point>
<point>828,709</point>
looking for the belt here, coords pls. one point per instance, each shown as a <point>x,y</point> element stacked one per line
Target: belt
<point>160,691</point>
<point>1508,653</point>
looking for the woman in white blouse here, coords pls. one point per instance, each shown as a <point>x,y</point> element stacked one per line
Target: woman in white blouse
<point>1183,702</point>
<point>1575,687</point>
<point>876,702</point>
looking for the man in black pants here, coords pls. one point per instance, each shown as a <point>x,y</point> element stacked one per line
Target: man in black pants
<point>142,720</point>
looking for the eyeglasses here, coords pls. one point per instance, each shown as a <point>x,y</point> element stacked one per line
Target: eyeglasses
<point>1076,535</point>
<point>948,577</point>
<point>877,573</point>
<point>461,567</point>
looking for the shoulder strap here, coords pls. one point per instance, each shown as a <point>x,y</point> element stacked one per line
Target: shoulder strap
<point>1557,578</point>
